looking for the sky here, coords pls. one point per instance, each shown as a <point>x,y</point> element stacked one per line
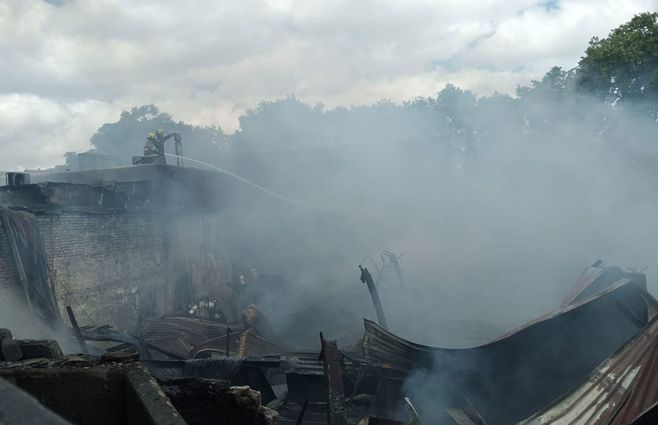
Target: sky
<point>68,66</point>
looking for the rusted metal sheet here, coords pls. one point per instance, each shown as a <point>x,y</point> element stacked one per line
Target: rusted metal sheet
<point>183,337</point>
<point>616,392</point>
<point>521,372</point>
<point>250,344</point>
<point>221,344</point>
<point>648,417</point>
<point>242,343</point>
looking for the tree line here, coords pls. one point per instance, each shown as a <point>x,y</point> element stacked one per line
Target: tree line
<point>614,83</point>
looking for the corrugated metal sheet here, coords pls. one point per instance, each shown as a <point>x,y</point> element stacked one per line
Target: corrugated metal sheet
<point>586,278</point>
<point>522,371</point>
<point>619,390</point>
<point>598,277</point>
<point>180,335</point>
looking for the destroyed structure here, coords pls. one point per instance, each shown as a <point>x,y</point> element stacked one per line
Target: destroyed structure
<point>156,275</point>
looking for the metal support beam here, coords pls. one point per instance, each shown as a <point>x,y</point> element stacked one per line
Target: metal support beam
<point>367,279</point>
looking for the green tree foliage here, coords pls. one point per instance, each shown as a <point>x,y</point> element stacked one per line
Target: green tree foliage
<point>556,85</point>
<point>290,123</point>
<point>550,101</point>
<point>284,123</point>
<point>624,65</point>
<point>125,138</point>
<point>456,107</point>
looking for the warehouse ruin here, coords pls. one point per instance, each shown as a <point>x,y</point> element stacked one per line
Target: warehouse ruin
<point>155,294</point>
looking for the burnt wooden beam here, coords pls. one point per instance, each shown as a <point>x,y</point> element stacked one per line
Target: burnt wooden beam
<point>333,377</point>
<point>76,330</point>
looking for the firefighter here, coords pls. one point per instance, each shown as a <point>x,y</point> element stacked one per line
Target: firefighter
<point>154,151</point>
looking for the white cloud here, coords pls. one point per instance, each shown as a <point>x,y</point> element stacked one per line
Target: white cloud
<point>69,66</point>
<point>37,131</point>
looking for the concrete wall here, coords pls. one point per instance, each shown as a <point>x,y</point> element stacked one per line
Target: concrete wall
<point>102,394</point>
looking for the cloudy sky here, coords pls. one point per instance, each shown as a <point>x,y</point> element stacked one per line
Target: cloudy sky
<point>68,66</point>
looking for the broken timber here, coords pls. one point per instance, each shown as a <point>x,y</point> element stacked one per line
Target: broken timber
<point>76,330</point>
<point>333,377</point>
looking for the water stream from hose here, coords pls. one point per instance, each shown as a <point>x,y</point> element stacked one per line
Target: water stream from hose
<point>242,179</point>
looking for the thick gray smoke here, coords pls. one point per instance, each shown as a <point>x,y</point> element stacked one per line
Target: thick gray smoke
<point>24,324</point>
<point>493,229</point>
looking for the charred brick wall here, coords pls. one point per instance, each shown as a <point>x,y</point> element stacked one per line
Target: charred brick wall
<point>121,267</point>
<point>104,266</point>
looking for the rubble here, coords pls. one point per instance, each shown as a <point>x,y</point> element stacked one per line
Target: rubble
<point>9,349</point>
<point>207,401</point>
<point>40,348</point>
<point>206,375</point>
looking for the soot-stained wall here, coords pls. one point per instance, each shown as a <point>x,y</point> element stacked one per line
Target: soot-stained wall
<point>119,268</point>
<point>115,258</point>
<point>104,265</point>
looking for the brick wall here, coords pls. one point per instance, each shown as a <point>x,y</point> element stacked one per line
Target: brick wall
<point>102,264</point>
<point>120,267</point>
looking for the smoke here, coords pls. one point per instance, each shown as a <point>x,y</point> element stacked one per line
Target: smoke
<point>23,323</point>
<point>493,229</point>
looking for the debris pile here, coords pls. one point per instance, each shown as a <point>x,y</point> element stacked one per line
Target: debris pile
<point>210,369</point>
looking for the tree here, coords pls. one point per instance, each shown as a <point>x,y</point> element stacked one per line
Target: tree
<point>279,124</point>
<point>456,107</point>
<point>556,85</point>
<point>623,66</point>
<point>551,101</point>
